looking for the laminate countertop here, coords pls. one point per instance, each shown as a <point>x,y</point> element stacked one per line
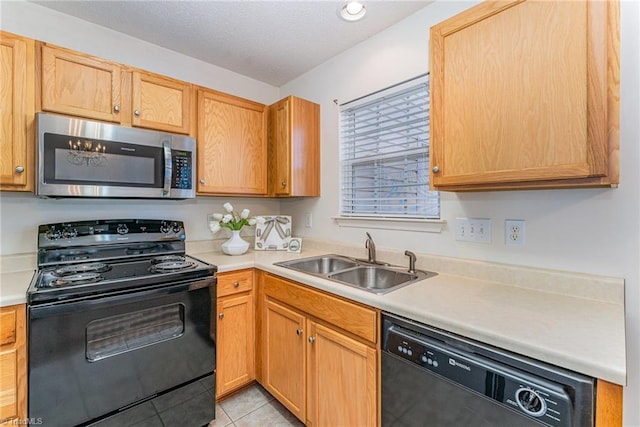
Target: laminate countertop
<point>572,320</point>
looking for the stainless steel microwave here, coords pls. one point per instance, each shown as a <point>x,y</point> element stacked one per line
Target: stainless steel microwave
<point>83,158</point>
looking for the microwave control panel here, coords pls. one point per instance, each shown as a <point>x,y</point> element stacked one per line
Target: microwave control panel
<point>182,175</point>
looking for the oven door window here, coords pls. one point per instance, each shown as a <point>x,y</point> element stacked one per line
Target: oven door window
<point>69,160</point>
<point>126,332</point>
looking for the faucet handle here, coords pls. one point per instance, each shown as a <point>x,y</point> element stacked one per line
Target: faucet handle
<point>412,261</point>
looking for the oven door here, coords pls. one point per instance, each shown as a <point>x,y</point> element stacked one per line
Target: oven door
<point>89,358</point>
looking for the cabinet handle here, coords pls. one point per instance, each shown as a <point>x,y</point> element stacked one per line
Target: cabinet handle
<point>116,108</point>
<point>19,169</point>
<point>311,340</point>
<point>435,169</point>
<point>284,184</point>
<point>137,112</point>
<point>220,316</point>
<point>236,284</point>
<point>299,331</point>
<point>202,181</point>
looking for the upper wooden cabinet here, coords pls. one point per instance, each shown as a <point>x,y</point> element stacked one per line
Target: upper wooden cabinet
<point>17,105</point>
<point>524,94</point>
<point>232,145</point>
<point>294,148</point>
<point>81,85</point>
<point>161,103</point>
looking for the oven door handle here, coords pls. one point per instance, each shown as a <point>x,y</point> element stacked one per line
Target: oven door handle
<point>58,308</point>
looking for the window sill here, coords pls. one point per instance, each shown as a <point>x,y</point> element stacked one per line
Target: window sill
<point>404,224</point>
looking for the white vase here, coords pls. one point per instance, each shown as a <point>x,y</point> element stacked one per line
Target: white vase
<point>236,245</point>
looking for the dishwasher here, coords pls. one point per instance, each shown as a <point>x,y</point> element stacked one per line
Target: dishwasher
<point>434,378</point>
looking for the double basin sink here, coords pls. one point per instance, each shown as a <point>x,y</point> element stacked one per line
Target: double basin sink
<point>373,277</point>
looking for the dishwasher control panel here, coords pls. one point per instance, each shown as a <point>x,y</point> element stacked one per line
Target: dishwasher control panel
<point>538,399</point>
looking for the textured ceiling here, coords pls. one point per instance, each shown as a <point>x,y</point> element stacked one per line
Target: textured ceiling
<point>270,41</point>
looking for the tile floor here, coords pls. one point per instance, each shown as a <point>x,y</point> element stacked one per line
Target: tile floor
<point>192,406</point>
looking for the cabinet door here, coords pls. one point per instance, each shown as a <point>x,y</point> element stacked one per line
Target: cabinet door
<point>280,147</point>
<point>519,93</point>
<point>160,103</point>
<point>235,343</point>
<point>342,379</point>
<point>16,112</point>
<point>232,145</point>
<point>283,356</point>
<point>80,85</point>
<point>13,363</point>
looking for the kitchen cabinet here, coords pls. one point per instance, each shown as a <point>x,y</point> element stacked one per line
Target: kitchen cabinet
<point>77,84</point>
<point>235,361</point>
<point>525,94</point>
<point>17,86</point>
<point>319,354</point>
<point>294,148</point>
<point>13,360</point>
<point>232,145</point>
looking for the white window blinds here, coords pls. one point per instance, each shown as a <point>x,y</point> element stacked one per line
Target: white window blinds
<point>384,158</point>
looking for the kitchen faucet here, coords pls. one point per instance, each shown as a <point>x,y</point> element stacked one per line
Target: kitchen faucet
<point>369,244</point>
<point>412,261</point>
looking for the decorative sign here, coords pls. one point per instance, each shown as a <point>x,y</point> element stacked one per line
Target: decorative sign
<point>295,245</point>
<point>273,234</point>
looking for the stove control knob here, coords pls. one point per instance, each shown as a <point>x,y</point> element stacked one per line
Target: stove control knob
<point>531,402</point>
<point>53,234</point>
<point>122,229</point>
<point>176,227</point>
<point>164,227</point>
<point>69,233</point>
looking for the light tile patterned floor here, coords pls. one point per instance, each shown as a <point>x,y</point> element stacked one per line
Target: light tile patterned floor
<point>192,406</point>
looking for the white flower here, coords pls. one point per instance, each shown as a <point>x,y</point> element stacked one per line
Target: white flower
<point>244,214</point>
<point>217,217</point>
<point>260,220</point>
<point>214,226</point>
<point>227,207</point>
<point>251,221</point>
<point>227,218</point>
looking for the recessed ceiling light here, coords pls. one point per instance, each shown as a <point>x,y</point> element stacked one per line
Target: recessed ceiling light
<point>352,11</point>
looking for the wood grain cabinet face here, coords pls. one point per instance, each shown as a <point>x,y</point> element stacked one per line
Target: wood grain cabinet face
<point>294,148</point>
<point>17,105</point>
<point>80,85</point>
<point>13,363</point>
<point>524,94</point>
<point>235,351</point>
<point>323,369</point>
<point>160,103</point>
<point>232,145</point>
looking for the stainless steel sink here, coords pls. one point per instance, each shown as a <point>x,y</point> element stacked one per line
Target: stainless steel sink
<point>358,273</point>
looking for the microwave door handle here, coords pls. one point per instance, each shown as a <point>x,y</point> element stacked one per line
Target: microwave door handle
<point>168,167</point>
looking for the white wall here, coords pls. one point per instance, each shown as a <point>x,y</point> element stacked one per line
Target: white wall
<point>21,213</point>
<point>586,230</point>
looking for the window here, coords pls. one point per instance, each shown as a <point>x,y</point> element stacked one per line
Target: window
<point>384,139</point>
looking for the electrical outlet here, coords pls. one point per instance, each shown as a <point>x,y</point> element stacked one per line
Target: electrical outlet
<point>514,232</point>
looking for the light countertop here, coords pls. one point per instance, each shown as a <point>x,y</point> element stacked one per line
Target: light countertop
<point>571,320</point>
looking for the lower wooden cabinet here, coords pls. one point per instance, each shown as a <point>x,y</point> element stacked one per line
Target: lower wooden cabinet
<point>315,358</point>
<point>13,364</point>
<point>235,351</point>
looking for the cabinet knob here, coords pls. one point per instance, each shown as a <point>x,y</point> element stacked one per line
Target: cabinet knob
<point>220,316</point>
<point>116,108</point>
<point>137,112</point>
<point>19,169</point>
<point>202,181</point>
<point>298,331</point>
<point>284,184</point>
<point>435,169</point>
<point>311,340</point>
<point>236,284</point>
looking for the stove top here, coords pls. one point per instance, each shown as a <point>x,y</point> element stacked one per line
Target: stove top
<point>91,258</point>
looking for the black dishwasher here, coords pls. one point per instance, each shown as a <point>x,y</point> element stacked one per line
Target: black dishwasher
<point>433,378</point>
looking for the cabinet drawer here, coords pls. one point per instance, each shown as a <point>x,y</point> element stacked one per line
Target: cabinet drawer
<point>7,326</point>
<point>351,317</point>
<point>234,282</point>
